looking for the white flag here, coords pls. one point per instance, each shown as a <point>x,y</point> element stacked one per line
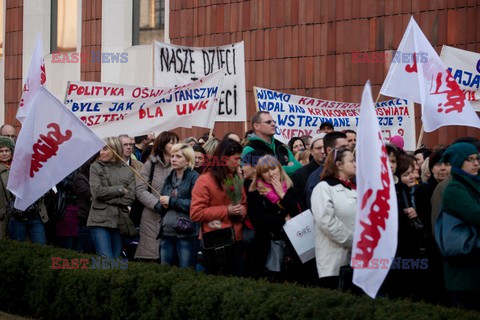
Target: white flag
<point>417,73</point>
<point>36,77</point>
<point>52,143</point>
<point>376,225</point>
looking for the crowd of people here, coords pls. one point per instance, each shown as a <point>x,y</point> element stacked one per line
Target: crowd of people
<point>219,205</point>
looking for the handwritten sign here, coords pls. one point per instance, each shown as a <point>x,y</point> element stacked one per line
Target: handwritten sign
<point>178,65</point>
<point>464,67</point>
<point>113,109</point>
<point>297,115</point>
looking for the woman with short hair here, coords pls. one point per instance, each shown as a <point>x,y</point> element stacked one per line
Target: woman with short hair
<point>112,185</point>
<point>178,233</point>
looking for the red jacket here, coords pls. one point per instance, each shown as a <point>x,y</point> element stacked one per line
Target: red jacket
<point>209,206</point>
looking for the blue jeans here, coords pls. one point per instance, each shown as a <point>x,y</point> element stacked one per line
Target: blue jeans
<point>86,241</point>
<point>174,249</point>
<point>18,230</point>
<point>108,242</point>
<point>71,243</point>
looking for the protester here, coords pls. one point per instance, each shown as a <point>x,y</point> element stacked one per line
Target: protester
<point>462,199</point>
<point>300,177</point>
<point>8,130</point>
<point>352,139</point>
<point>128,146</point>
<point>303,157</point>
<point>422,154</point>
<point>221,218</point>
<point>232,135</point>
<point>81,187</point>
<point>66,227</point>
<point>334,202</point>
<point>331,141</point>
<point>210,145</point>
<point>296,145</point>
<point>112,185</point>
<point>326,127</point>
<point>200,154</point>
<point>159,161</point>
<point>271,201</point>
<point>412,241</point>
<point>191,141</point>
<point>262,139</point>
<point>141,142</point>
<point>178,233</point>
<point>7,147</point>
<point>307,139</point>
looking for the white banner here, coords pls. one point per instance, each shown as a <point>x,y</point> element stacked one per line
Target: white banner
<point>376,223</point>
<point>297,115</point>
<point>113,109</point>
<point>465,69</point>
<point>299,230</point>
<point>51,144</point>
<point>178,65</point>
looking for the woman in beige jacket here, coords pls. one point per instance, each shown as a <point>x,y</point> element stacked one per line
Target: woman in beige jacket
<point>148,245</point>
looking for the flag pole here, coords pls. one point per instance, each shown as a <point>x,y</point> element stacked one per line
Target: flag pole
<point>135,172</point>
<point>420,138</point>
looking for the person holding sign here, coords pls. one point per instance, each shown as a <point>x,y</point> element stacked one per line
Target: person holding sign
<point>262,139</point>
<point>334,202</point>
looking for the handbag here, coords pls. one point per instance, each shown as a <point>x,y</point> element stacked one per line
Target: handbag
<point>125,224</point>
<point>276,256</point>
<point>454,236</point>
<point>184,225</point>
<point>137,207</point>
<point>217,242</point>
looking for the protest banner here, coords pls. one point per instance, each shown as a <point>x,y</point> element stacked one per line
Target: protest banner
<point>465,69</point>
<point>300,231</point>
<point>178,65</point>
<point>298,115</point>
<point>113,109</point>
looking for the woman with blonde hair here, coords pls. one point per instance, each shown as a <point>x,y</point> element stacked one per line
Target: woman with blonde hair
<point>112,185</point>
<point>178,233</point>
<point>334,202</point>
<point>271,202</point>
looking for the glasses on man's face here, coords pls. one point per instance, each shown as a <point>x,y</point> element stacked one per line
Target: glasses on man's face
<point>473,159</point>
<point>11,136</point>
<point>128,144</point>
<point>269,122</point>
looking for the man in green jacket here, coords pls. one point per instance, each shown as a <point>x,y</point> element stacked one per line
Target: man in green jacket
<point>262,139</point>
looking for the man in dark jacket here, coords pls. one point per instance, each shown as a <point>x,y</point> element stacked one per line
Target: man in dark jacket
<point>262,139</point>
<point>300,177</point>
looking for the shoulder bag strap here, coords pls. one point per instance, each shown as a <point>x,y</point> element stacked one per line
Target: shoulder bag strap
<point>150,177</point>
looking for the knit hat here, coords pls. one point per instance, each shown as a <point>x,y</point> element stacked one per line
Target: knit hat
<point>7,142</point>
<point>457,153</point>
<point>316,137</point>
<point>398,141</point>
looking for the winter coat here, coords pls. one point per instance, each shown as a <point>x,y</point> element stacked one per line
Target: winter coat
<point>209,206</point>
<point>4,171</point>
<point>462,199</point>
<point>81,187</point>
<point>181,203</point>
<point>333,208</point>
<point>268,219</point>
<point>107,183</point>
<point>149,245</point>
